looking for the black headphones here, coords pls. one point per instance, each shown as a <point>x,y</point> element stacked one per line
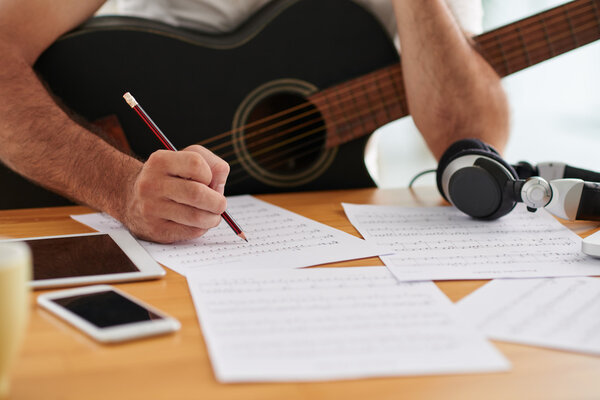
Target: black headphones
<point>473,177</point>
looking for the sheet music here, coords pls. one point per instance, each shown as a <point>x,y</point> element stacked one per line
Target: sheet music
<point>276,238</point>
<point>560,313</point>
<point>331,323</point>
<point>443,243</point>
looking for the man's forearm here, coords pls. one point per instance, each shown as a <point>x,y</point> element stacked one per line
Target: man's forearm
<point>452,91</point>
<point>42,143</point>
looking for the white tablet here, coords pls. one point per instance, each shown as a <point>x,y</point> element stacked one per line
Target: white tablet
<point>70,260</point>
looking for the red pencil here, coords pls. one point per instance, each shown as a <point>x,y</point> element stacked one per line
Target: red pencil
<point>168,145</point>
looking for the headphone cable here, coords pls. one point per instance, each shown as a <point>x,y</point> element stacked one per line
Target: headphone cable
<point>420,174</point>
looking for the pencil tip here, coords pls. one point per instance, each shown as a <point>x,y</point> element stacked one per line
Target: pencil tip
<point>243,236</point>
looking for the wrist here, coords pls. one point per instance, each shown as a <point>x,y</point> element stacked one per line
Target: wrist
<point>119,202</point>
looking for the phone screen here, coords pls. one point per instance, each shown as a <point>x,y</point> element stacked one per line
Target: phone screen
<point>73,256</point>
<point>106,309</point>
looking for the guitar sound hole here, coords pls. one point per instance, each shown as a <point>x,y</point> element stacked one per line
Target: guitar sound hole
<point>284,134</point>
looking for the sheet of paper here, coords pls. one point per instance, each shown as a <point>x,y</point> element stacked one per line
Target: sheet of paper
<point>442,243</point>
<point>332,323</point>
<point>560,313</point>
<point>276,238</point>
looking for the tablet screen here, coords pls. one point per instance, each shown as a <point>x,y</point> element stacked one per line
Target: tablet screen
<point>74,256</point>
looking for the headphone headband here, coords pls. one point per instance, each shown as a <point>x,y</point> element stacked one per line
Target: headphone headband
<point>472,176</point>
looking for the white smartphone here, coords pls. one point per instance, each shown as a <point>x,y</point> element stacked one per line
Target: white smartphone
<point>107,314</point>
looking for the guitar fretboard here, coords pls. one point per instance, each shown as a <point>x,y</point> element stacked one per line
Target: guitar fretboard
<point>359,106</point>
<point>538,38</point>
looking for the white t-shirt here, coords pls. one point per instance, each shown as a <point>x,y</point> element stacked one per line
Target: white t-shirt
<point>220,16</point>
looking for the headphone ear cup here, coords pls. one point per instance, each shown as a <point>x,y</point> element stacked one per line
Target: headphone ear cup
<point>477,187</point>
<point>456,149</point>
<point>481,190</point>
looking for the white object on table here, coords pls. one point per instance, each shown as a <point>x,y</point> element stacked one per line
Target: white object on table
<point>331,323</point>
<point>560,313</point>
<point>277,238</point>
<point>443,243</point>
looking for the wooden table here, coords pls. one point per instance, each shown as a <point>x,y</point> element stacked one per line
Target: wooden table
<point>59,362</point>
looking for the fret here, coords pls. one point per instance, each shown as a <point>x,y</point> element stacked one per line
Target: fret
<point>400,93</point>
<point>371,105</point>
<point>573,35</point>
<point>386,110</point>
<point>358,116</point>
<point>395,89</point>
<point>508,49</point>
<point>324,102</point>
<point>596,13</point>
<point>535,39</point>
<point>350,111</point>
<point>502,54</point>
<point>525,52</point>
<point>333,114</point>
<point>346,124</point>
<point>547,36</point>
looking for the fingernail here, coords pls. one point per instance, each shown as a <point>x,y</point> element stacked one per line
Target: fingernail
<point>220,188</point>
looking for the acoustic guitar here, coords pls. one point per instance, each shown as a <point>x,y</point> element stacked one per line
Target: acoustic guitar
<point>288,99</point>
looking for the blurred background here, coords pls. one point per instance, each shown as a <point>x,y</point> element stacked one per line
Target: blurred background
<point>555,109</point>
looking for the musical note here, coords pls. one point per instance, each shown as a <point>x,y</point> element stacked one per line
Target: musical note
<point>561,313</point>
<point>443,243</point>
<point>276,238</point>
<point>331,323</point>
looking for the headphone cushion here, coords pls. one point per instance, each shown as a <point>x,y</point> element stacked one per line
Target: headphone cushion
<point>465,147</point>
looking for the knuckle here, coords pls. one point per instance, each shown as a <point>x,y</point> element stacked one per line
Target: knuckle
<point>196,162</point>
<point>157,159</point>
<point>222,167</point>
<point>196,193</point>
<point>195,148</point>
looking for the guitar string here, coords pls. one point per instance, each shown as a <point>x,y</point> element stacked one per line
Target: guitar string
<point>301,137</point>
<point>549,23</point>
<point>371,78</point>
<point>545,29</point>
<point>522,50</point>
<point>305,134</point>
<point>236,171</point>
<point>243,175</point>
<point>350,88</point>
<point>536,19</point>
<point>367,110</point>
<point>254,144</point>
<point>397,100</point>
<point>313,111</point>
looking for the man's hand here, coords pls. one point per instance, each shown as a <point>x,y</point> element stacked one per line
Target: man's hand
<point>177,195</point>
<point>173,196</point>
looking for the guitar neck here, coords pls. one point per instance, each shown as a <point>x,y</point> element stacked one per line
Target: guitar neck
<point>514,47</point>
<point>357,107</point>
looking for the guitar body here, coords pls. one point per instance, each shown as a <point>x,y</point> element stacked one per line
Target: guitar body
<point>197,87</point>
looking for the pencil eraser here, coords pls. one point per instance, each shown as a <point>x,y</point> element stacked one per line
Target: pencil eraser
<point>130,100</point>
<point>591,245</point>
